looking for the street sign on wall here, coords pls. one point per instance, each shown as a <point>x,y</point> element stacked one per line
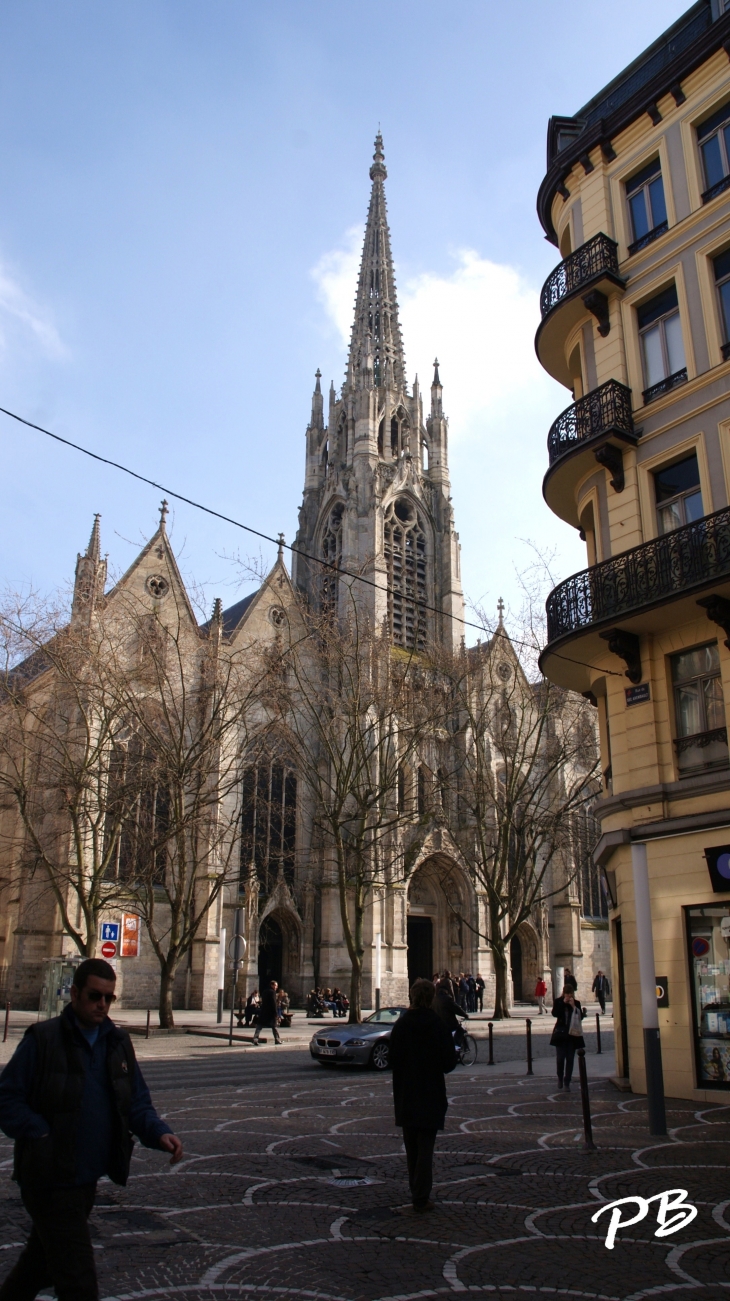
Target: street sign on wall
<point>110,931</point>
<point>130,935</point>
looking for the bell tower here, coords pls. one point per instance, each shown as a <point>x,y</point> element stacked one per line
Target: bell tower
<point>376,488</point>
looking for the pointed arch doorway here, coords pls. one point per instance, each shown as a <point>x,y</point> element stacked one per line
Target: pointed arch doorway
<point>437,934</point>
<point>271,952</point>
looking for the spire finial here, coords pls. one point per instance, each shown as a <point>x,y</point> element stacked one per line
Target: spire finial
<point>164,511</point>
<point>217,616</point>
<point>500,611</point>
<point>317,376</point>
<point>280,556</point>
<point>436,379</point>
<point>378,170</point>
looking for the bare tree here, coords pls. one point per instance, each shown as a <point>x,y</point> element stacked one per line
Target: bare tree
<point>120,751</point>
<point>524,764</point>
<point>58,720</point>
<point>350,713</point>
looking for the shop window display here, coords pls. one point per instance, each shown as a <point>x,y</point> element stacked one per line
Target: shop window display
<point>708,931</point>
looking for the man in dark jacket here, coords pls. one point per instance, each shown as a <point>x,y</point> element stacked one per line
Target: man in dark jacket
<point>421,1053</point>
<point>449,1011</point>
<point>601,989</point>
<point>268,1016</point>
<point>69,1096</point>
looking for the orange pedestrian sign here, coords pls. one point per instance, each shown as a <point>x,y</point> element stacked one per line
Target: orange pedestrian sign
<point>130,935</point>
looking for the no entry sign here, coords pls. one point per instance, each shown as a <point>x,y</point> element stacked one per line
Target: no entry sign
<point>108,950</point>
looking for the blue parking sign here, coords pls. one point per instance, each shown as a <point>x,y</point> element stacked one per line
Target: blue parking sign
<point>110,931</point>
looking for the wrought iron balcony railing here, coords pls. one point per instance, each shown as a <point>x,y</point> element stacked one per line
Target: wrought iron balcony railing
<point>665,385</point>
<point>605,410</point>
<point>595,258</point>
<point>648,238</point>
<point>693,556</point>
<point>716,189</point>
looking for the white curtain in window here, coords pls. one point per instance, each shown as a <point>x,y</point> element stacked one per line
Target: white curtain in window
<point>653,356</point>
<point>675,346</point>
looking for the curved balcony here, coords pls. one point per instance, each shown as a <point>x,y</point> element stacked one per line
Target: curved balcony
<point>580,283</point>
<point>575,440</point>
<point>648,588</point>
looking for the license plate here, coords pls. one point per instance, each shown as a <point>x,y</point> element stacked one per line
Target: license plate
<point>327,1052</point>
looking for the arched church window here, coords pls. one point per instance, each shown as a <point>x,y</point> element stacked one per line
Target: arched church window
<point>399,433</point>
<point>268,823</point>
<point>401,789</point>
<point>326,457</point>
<point>137,821</point>
<point>381,436</point>
<point>332,553</point>
<point>423,790</point>
<point>405,558</point>
<point>424,454</point>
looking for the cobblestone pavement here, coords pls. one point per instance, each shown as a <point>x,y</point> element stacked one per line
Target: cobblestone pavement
<point>294,1186</point>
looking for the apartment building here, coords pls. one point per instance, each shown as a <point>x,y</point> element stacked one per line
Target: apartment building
<point>635,322</point>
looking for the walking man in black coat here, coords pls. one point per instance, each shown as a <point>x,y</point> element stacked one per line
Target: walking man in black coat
<point>268,1014</point>
<point>69,1096</point>
<point>421,1053</point>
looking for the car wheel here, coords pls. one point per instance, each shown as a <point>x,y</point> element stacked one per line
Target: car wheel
<point>380,1057</point>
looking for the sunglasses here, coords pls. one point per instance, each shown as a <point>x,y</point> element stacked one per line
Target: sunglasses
<point>95,996</point>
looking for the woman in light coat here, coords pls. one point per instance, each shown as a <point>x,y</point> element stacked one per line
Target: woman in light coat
<point>565,1043</point>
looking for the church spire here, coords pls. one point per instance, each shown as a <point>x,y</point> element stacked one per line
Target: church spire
<point>376,330</point>
<point>90,578</point>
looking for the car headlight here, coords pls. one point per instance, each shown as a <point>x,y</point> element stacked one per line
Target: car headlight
<point>355,1043</point>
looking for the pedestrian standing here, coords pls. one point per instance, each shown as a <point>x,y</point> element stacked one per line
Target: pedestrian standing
<point>69,1096</point>
<point>540,992</point>
<point>421,1053</point>
<point>472,1004</point>
<point>567,1035</point>
<point>268,1016</point>
<point>252,1003</point>
<point>570,980</point>
<point>601,989</point>
<point>480,991</point>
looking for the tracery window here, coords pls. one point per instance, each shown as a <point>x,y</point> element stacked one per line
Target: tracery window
<point>268,823</point>
<point>593,903</point>
<point>405,559</point>
<point>137,815</point>
<point>332,553</point>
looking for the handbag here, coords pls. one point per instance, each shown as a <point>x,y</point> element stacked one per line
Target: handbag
<point>576,1024</point>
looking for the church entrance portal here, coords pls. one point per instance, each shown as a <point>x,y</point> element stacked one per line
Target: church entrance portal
<point>271,952</point>
<point>438,936</point>
<point>420,948</point>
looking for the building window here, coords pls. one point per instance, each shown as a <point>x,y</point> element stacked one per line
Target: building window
<point>721,265</point>
<point>405,558</point>
<point>678,494</point>
<point>645,197</point>
<point>268,823</point>
<point>332,553</point>
<point>662,348</point>
<point>593,901</point>
<point>137,822</point>
<point>700,709</point>
<point>714,141</point>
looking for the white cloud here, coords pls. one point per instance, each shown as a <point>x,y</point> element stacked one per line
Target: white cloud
<point>480,321</point>
<point>18,309</point>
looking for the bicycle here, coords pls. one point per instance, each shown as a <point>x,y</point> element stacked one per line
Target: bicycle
<point>466,1048</point>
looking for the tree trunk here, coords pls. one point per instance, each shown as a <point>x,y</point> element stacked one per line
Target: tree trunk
<point>501,1006</point>
<point>356,992</point>
<point>167,980</point>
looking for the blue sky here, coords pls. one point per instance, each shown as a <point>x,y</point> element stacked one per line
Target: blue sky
<point>184,186</point>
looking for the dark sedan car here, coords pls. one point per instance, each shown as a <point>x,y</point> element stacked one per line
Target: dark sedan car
<point>364,1044</point>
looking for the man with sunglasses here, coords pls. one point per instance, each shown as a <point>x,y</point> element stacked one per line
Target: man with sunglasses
<point>71,1096</point>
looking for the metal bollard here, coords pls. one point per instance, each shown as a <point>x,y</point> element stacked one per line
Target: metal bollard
<point>588,1144</point>
<point>147,1031</point>
<point>7,1021</point>
<point>528,1028</point>
<point>598,1032</point>
<point>491,1045</point>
